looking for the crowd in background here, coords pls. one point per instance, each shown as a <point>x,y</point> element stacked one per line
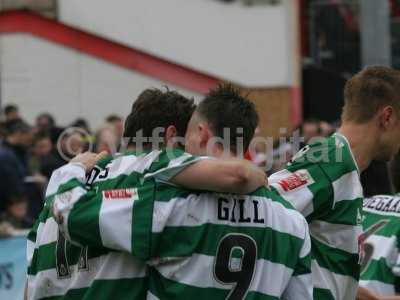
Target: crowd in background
<point>30,153</point>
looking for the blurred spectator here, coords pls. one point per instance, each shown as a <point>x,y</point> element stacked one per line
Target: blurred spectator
<point>42,146</point>
<point>117,123</point>
<point>46,123</point>
<point>13,160</point>
<point>107,140</point>
<point>82,124</point>
<point>14,217</point>
<point>309,129</point>
<point>326,129</point>
<point>2,131</point>
<point>70,143</point>
<point>11,112</point>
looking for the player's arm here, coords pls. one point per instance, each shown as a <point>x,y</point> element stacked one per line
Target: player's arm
<point>225,176</point>
<point>204,173</point>
<point>300,285</point>
<point>366,294</point>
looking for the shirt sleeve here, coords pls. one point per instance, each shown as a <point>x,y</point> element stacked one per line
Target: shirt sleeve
<point>306,187</point>
<point>119,215</point>
<point>300,285</point>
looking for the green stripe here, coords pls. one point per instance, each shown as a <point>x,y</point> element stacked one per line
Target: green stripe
<point>345,213</point>
<point>335,260</point>
<point>303,266</point>
<point>323,294</point>
<point>378,270</point>
<point>165,158</point>
<point>142,221</point>
<point>83,220</point>
<point>44,257</point>
<point>121,289</point>
<point>166,289</point>
<point>184,241</point>
<point>65,187</point>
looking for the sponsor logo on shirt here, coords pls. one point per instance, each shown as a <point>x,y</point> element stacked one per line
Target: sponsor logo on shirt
<point>120,194</point>
<point>385,204</point>
<point>296,180</point>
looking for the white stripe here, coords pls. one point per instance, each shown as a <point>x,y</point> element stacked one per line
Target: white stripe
<point>306,249</point>
<point>384,247</point>
<point>127,164</point>
<point>342,287</point>
<point>196,210</point>
<point>63,175</point>
<point>63,204</point>
<point>347,187</point>
<point>174,167</point>
<point>379,287</point>
<point>150,296</point>
<point>340,236</point>
<point>197,270</point>
<point>30,247</point>
<point>107,267</point>
<point>47,232</point>
<point>301,198</point>
<point>115,222</point>
<point>300,287</point>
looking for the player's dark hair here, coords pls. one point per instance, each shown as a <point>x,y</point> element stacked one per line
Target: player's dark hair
<point>158,109</point>
<point>370,90</point>
<point>224,107</point>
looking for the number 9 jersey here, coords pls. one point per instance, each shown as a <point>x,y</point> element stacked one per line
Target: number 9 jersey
<point>380,266</point>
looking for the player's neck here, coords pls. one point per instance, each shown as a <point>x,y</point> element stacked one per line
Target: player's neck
<point>219,152</point>
<point>362,142</point>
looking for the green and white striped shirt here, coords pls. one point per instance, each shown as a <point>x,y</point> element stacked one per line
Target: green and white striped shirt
<point>195,244</point>
<point>380,268</point>
<point>61,270</point>
<point>322,182</point>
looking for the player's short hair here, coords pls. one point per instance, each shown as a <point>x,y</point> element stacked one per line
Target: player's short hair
<point>224,107</point>
<point>370,90</point>
<point>158,109</point>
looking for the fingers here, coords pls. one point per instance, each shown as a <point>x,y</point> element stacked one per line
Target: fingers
<point>101,155</point>
<point>89,159</point>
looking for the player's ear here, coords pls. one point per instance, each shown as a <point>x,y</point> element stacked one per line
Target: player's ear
<point>204,134</point>
<point>170,134</point>
<point>386,117</point>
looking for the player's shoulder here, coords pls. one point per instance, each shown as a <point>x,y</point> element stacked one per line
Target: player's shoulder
<point>331,154</point>
<point>283,210</point>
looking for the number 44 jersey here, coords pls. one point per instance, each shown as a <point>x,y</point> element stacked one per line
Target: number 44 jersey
<point>380,268</point>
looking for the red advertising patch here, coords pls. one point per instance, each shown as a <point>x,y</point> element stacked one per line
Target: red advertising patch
<point>119,194</point>
<point>294,181</point>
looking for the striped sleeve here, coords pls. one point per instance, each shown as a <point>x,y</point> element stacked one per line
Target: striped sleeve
<point>170,162</point>
<point>300,285</point>
<point>107,215</point>
<point>306,187</point>
<point>62,180</point>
